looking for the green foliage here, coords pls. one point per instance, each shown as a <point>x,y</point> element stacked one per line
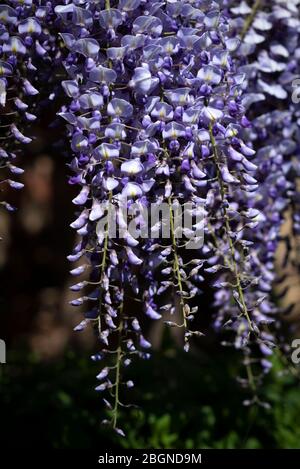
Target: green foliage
<point>185,402</point>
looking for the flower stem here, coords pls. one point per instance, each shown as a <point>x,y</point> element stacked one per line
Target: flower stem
<point>103,263</point>
<point>176,262</point>
<point>227,230</point>
<point>250,19</point>
<point>118,370</point>
<point>251,378</point>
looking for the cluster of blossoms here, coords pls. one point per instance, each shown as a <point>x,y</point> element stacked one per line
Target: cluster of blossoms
<point>269,57</point>
<point>27,52</point>
<point>17,39</point>
<point>162,108</point>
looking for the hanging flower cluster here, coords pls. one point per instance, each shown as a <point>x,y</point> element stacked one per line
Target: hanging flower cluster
<point>18,35</point>
<point>27,52</point>
<point>172,106</point>
<point>269,58</point>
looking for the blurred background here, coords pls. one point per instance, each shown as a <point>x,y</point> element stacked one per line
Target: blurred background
<point>47,395</point>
